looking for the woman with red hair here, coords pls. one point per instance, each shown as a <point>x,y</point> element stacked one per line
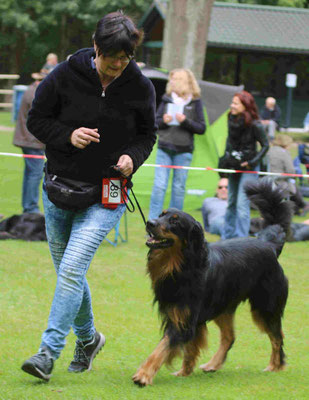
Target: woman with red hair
<point>244,132</point>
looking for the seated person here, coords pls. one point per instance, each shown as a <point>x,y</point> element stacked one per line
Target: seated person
<point>270,117</point>
<point>214,208</point>
<point>303,154</point>
<point>280,160</point>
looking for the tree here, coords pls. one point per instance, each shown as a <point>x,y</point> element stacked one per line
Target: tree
<point>30,29</point>
<point>185,35</point>
<point>281,3</point>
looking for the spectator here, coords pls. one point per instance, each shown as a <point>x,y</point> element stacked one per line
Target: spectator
<point>214,208</point>
<point>180,115</point>
<point>303,154</point>
<point>51,63</point>
<point>280,160</point>
<point>270,117</point>
<point>244,131</point>
<point>94,111</point>
<point>33,170</point>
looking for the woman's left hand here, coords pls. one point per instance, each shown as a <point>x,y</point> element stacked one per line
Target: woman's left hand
<point>125,165</point>
<point>180,117</point>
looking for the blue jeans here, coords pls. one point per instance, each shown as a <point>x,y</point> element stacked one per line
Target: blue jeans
<point>166,157</point>
<point>217,226</point>
<point>73,239</point>
<point>237,216</point>
<point>33,173</point>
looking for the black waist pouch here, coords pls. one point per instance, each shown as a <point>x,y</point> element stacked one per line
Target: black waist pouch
<point>69,194</point>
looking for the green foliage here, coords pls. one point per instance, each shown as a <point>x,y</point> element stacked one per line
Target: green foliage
<point>32,29</point>
<point>281,3</point>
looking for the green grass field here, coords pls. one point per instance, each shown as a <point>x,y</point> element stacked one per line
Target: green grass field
<point>122,302</point>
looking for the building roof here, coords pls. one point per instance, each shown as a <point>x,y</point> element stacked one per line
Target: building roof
<point>250,27</point>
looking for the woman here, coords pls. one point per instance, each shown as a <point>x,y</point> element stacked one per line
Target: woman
<point>180,115</point>
<point>244,132</point>
<point>93,111</point>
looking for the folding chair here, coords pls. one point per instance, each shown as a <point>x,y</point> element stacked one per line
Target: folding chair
<point>117,232</point>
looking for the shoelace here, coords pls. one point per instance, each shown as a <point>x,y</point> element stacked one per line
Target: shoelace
<point>80,355</point>
<point>38,357</point>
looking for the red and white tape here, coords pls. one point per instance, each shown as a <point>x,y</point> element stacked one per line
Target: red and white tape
<point>227,171</point>
<point>21,155</point>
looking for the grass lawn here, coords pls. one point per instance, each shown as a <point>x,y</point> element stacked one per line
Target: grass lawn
<point>122,302</point>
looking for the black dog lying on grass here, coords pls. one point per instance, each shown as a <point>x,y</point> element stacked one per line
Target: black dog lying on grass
<point>195,282</point>
<point>27,226</point>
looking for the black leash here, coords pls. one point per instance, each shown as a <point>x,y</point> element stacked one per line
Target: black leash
<point>129,185</point>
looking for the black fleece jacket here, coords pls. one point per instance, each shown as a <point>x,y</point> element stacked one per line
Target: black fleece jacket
<point>70,97</point>
<point>247,141</point>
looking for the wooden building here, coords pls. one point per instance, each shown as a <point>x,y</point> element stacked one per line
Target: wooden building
<point>247,44</point>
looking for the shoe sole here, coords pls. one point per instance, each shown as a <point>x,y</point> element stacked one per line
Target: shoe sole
<point>97,349</point>
<point>32,370</point>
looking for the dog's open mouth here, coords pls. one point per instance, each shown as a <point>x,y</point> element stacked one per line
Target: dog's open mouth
<point>155,242</point>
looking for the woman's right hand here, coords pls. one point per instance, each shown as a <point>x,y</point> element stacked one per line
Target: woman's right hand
<point>245,164</point>
<point>167,118</point>
<point>81,137</point>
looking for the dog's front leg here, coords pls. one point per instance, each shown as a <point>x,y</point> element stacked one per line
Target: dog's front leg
<point>145,374</point>
<point>192,351</point>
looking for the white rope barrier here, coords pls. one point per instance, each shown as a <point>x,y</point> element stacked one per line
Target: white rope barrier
<point>226,171</point>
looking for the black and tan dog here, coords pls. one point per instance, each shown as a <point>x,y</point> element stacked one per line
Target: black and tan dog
<point>195,282</point>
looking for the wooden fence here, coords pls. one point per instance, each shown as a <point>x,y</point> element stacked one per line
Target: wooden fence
<point>7,92</point>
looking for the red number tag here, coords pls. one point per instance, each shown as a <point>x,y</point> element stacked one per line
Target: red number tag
<point>114,191</point>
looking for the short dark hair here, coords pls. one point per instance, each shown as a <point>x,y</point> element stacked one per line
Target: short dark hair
<point>116,32</point>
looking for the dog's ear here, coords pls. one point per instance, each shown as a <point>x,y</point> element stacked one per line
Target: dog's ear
<point>196,237</point>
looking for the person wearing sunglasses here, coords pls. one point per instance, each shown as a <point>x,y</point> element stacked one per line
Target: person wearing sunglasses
<point>214,208</point>
<point>96,114</point>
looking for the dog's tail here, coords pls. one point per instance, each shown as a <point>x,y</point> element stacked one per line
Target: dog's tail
<point>275,210</point>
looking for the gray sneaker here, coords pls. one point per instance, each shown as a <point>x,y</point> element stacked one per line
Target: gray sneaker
<point>85,353</point>
<point>40,365</point>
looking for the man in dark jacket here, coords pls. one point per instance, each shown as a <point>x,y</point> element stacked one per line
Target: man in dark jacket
<point>33,171</point>
<point>270,117</point>
<point>94,111</point>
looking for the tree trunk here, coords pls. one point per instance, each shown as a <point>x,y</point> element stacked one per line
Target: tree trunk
<point>185,35</point>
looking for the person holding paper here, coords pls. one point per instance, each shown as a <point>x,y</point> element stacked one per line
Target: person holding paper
<point>179,116</point>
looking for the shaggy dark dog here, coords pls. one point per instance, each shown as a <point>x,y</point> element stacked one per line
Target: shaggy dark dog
<point>27,226</point>
<point>195,282</point>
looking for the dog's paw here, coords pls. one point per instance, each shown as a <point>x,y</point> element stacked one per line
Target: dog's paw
<point>273,368</point>
<point>141,378</point>
<point>181,372</point>
<point>208,367</point>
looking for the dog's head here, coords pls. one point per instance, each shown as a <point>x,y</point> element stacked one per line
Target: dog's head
<point>174,226</point>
